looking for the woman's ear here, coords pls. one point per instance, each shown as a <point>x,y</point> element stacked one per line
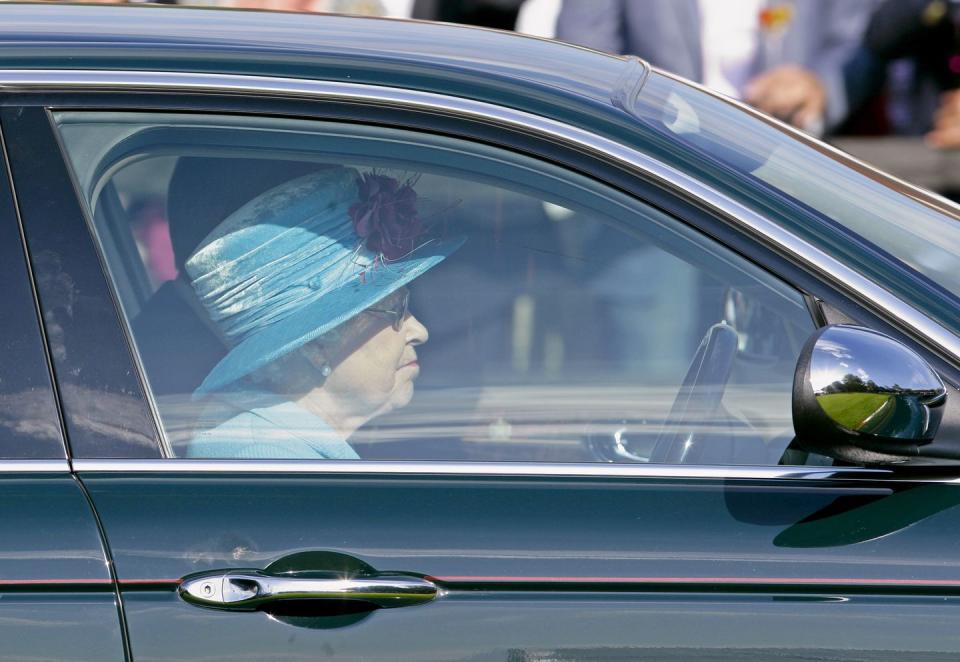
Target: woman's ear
<point>316,356</point>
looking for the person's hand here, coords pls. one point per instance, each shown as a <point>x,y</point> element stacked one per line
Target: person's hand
<point>946,122</point>
<point>790,93</point>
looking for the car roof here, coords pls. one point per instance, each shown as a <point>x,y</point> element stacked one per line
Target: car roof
<point>539,75</point>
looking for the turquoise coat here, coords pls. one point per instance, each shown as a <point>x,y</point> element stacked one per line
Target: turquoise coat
<point>279,429</point>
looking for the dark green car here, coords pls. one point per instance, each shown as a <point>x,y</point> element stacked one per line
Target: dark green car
<point>348,339</point>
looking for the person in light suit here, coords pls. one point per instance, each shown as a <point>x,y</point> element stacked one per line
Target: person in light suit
<point>784,58</point>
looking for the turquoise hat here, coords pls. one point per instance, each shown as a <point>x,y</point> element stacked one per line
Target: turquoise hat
<point>303,258</point>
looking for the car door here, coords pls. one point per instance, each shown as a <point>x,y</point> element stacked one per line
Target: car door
<point>522,505</point>
<point>58,599</point>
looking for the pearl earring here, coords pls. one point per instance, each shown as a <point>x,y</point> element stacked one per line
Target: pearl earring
<point>326,370</point>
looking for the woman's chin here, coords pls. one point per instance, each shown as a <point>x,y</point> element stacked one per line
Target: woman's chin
<point>402,396</point>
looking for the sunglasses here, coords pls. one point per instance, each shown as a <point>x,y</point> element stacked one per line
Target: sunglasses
<point>397,312</point>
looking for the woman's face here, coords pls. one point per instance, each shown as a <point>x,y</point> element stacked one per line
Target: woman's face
<point>377,376</point>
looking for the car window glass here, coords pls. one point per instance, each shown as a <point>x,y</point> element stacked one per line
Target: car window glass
<point>719,136</point>
<point>299,289</point>
<point>29,425</point>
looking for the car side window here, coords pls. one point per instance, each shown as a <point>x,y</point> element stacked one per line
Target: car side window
<point>29,426</point>
<point>315,290</point>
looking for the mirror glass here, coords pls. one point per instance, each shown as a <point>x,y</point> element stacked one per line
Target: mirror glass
<point>870,384</point>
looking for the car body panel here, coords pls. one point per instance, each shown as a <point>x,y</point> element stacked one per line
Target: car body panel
<point>505,627</point>
<point>410,54</point>
<point>57,597</point>
<point>542,564</point>
<point>531,567</point>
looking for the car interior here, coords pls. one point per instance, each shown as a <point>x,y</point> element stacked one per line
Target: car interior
<point>572,326</point>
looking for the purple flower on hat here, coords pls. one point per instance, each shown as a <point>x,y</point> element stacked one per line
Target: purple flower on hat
<point>385,216</point>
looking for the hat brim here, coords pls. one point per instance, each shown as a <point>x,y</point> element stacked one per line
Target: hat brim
<point>334,308</point>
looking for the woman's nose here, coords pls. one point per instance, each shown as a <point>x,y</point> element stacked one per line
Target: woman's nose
<point>414,330</point>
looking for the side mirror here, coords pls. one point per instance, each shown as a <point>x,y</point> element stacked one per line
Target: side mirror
<point>863,397</point>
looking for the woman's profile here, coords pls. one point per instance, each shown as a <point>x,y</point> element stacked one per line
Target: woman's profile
<point>307,284</point>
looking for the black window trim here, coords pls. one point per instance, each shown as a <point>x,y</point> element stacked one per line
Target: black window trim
<point>60,464</point>
<point>47,199</point>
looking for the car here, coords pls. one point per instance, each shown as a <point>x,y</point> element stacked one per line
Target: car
<point>676,381</point>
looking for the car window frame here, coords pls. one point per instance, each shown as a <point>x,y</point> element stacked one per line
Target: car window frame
<point>47,198</point>
<point>19,269</point>
<point>139,137</point>
<point>683,207</point>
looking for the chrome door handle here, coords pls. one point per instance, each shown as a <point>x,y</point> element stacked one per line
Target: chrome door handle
<point>247,590</point>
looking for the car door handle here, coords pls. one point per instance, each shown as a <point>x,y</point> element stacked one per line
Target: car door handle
<point>248,590</point>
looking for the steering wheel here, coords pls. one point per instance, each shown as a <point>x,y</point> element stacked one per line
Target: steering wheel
<point>698,399</point>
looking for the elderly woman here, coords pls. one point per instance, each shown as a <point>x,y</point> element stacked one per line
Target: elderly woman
<point>307,284</point>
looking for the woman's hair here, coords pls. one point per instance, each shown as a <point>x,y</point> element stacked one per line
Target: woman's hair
<point>295,373</point>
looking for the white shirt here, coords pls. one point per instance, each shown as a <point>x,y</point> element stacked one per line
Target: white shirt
<point>729,38</point>
<point>538,18</point>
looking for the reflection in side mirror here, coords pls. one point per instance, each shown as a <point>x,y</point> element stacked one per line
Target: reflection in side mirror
<point>863,397</point>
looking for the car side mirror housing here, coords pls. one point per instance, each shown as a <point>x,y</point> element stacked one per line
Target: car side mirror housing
<point>863,397</point>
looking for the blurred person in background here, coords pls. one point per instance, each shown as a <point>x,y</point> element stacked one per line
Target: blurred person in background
<point>785,58</point>
<point>538,18</point>
<point>918,42</point>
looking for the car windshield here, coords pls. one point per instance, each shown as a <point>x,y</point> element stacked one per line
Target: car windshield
<point>833,202</point>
